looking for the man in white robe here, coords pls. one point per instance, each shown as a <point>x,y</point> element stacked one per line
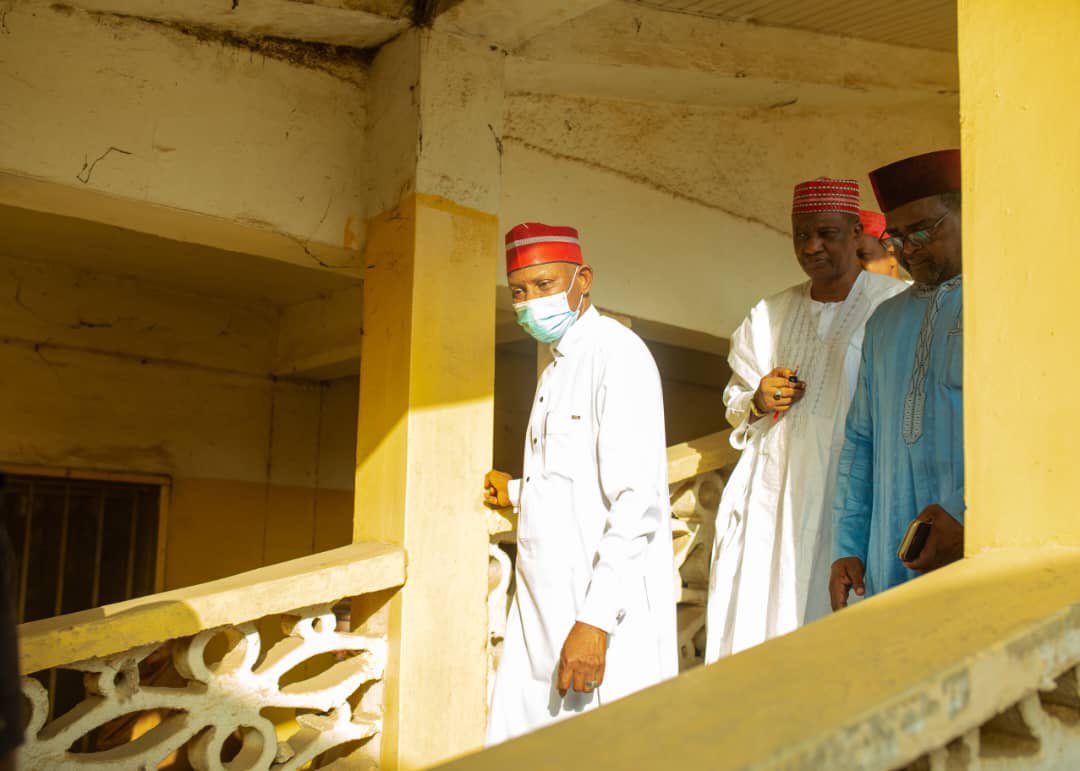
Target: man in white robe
<point>593,613</point>
<point>794,362</point>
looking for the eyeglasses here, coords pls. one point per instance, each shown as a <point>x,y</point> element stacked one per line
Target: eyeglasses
<point>917,238</point>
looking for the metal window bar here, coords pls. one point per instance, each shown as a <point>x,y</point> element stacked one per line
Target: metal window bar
<point>129,578</point>
<point>99,538</point>
<point>24,550</point>
<point>44,502</point>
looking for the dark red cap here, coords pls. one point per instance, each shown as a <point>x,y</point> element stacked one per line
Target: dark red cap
<point>917,177</point>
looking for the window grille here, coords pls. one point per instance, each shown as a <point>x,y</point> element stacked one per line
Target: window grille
<point>77,544</point>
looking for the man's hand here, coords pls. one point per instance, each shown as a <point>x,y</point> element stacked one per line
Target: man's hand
<point>581,664</point>
<point>496,489</point>
<point>777,382</point>
<point>847,574</point>
<point>945,543</point>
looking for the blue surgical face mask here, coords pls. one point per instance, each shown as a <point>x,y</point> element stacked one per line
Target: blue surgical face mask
<point>548,318</point>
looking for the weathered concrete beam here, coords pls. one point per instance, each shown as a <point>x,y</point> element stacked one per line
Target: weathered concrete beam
<point>147,127</point>
<point>332,22</point>
<point>510,23</point>
<point>320,339</point>
<point>627,51</point>
<point>258,239</point>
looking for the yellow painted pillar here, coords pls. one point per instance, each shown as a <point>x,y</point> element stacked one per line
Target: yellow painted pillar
<point>1019,63</point>
<point>427,379</point>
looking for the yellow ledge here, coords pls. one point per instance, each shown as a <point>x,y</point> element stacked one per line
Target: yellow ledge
<point>360,568</point>
<point>699,456</point>
<point>874,686</point>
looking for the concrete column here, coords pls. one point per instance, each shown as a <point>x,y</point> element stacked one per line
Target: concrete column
<point>427,379</point>
<point>1021,274</point>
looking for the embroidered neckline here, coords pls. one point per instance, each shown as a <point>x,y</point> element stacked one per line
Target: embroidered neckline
<point>819,353</point>
<point>915,401</point>
<point>929,290</point>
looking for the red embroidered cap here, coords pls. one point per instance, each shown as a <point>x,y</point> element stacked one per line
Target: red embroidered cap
<point>533,243</point>
<point>824,194</point>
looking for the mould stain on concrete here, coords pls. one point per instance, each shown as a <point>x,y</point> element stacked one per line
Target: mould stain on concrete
<point>642,180</point>
<point>341,62</point>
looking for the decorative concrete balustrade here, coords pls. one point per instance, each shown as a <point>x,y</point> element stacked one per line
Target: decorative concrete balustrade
<point>250,672</point>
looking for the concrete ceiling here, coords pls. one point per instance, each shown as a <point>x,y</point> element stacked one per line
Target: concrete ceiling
<point>37,236</point>
<point>352,23</point>
<point>912,23</point>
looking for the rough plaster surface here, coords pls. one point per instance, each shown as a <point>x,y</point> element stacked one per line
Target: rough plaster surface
<point>436,112</point>
<point>509,23</point>
<point>635,38</point>
<point>112,372</point>
<point>360,25</point>
<point>690,202</point>
<point>148,113</point>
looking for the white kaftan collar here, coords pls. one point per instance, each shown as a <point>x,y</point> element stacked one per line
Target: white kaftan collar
<point>577,333</point>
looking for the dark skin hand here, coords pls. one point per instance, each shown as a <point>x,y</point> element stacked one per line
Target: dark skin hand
<point>581,663</point>
<point>496,489</point>
<point>790,393</point>
<point>847,574</point>
<point>945,543</point>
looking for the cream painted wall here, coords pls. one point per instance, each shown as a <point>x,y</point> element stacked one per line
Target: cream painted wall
<point>684,211</point>
<point>110,373</point>
<point>198,125</point>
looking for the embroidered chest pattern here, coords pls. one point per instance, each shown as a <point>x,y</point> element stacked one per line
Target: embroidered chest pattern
<point>915,401</point>
<point>819,354</point>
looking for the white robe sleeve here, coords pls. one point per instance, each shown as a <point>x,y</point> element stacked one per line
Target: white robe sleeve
<point>747,370</point>
<point>632,463</point>
<point>513,491</point>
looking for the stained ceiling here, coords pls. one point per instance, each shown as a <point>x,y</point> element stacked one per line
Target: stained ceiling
<point>36,236</point>
<point>913,23</point>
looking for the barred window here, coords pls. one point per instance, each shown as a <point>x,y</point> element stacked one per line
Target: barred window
<point>77,544</point>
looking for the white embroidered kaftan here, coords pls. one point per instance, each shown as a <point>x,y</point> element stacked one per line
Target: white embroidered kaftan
<point>771,558</point>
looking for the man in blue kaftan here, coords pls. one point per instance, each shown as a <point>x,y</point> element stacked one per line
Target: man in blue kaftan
<point>903,455</point>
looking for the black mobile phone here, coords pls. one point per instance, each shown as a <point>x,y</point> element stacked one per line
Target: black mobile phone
<point>914,540</point>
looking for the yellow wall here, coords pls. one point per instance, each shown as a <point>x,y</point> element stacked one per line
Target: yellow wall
<point>1018,66</point>
<point>112,373</point>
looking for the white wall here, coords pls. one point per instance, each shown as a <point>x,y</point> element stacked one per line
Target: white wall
<point>205,126</point>
<point>685,211</point>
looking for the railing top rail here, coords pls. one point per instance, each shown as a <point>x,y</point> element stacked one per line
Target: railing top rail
<point>874,686</point>
<point>698,456</point>
<point>359,568</point>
